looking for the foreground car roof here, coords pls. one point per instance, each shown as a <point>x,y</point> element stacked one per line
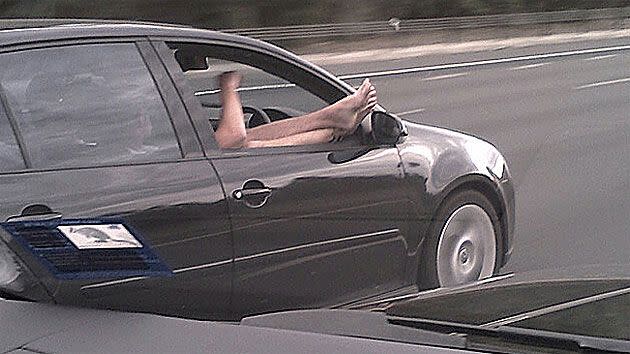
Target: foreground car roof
<point>47,328</point>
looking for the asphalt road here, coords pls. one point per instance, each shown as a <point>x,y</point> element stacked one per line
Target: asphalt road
<point>563,124</point>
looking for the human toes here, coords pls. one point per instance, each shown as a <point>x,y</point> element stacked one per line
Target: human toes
<point>372,102</point>
<point>371,97</point>
<point>369,105</point>
<point>364,88</point>
<point>371,93</point>
<point>364,95</point>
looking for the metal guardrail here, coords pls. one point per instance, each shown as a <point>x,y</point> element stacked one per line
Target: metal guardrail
<point>419,25</point>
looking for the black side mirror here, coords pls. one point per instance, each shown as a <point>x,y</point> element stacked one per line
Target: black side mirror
<point>387,128</point>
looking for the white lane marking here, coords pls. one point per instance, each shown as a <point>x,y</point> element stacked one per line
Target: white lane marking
<point>410,112</point>
<point>442,77</point>
<point>530,66</point>
<point>601,57</point>
<point>281,86</point>
<point>438,67</point>
<point>603,83</point>
<point>483,62</point>
<point>321,243</point>
<point>207,92</point>
<point>555,308</point>
<point>244,89</point>
<point>262,87</point>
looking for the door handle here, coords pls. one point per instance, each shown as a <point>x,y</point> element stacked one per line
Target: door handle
<point>35,212</point>
<point>253,194</point>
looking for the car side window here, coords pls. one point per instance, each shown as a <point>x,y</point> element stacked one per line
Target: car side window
<point>10,156</point>
<point>84,105</point>
<point>259,90</point>
<point>269,85</point>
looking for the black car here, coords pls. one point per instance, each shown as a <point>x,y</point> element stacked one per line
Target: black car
<point>114,194</point>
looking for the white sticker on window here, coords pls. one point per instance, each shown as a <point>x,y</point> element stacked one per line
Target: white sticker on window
<point>100,236</point>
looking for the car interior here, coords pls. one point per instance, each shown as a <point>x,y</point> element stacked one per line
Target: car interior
<point>270,89</point>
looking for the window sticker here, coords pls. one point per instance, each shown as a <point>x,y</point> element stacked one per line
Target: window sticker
<point>100,236</point>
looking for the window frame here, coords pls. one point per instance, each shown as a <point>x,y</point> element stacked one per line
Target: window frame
<point>188,146</point>
<point>199,116</point>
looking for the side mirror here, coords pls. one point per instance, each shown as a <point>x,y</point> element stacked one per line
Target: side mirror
<point>387,128</point>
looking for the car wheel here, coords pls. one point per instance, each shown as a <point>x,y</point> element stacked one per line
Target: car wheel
<point>464,242</point>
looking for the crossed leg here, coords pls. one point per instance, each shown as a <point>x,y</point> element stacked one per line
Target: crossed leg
<point>329,123</point>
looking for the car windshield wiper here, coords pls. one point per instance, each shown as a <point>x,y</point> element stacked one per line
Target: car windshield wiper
<point>513,339</point>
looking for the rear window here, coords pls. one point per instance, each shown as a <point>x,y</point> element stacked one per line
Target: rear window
<point>86,105</point>
<point>10,156</point>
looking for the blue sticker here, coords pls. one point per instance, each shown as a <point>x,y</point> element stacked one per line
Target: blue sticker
<point>88,248</point>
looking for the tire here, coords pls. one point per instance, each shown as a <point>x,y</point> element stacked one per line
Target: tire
<point>464,243</point>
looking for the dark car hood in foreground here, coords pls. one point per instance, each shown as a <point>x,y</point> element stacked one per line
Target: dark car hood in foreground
<point>590,305</point>
<point>587,301</point>
<point>567,310</point>
<point>48,328</point>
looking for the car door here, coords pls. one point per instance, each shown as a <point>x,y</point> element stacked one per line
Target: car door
<point>105,136</point>
<point>313,225</point>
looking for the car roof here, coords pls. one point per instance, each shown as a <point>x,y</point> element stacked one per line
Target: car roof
<point>21,31</point>
<point>26,31</point>
<point>15,23</point>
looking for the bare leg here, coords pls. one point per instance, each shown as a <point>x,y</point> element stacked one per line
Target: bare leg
<point>343,116</point>
<point>231,131</point>
<point>325,125</point>
<point>319,136</point>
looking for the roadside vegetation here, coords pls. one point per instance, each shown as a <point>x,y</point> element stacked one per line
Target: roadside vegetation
<point>250,13</point>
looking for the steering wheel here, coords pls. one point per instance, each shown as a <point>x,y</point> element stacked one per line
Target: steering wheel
<point>259,117</point>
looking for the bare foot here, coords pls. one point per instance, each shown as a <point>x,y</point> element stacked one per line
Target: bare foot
<point>348,112</point>
<point>229,80</point>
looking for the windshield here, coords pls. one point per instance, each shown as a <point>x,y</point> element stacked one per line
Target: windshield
<point>453,162</point>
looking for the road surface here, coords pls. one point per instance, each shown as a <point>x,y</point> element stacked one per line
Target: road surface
<point>560,113</point>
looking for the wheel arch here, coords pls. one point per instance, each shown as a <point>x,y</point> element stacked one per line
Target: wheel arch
<point>485,186</point>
